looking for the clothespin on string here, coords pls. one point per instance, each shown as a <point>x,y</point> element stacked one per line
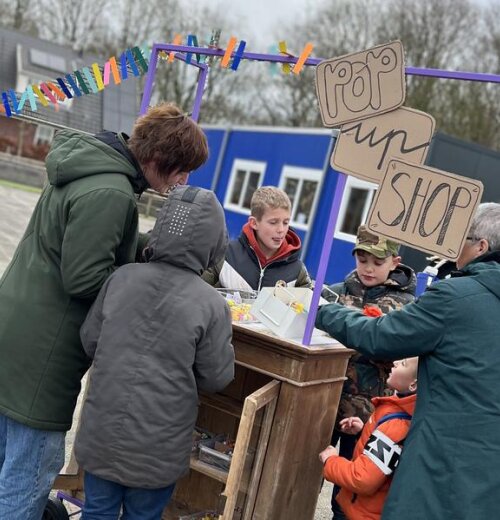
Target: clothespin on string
<point>111,67</point>
<point>299,65</point>
<point>177,41</point>
<point>214,44</point>
<point>273,66</point>
<point>283,50</point>
<point>236,56</point>
<point>192,41</point>
<point>98,77</point>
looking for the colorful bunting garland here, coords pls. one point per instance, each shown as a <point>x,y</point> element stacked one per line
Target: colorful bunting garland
<point>94,79</point>
<point>84,81</point>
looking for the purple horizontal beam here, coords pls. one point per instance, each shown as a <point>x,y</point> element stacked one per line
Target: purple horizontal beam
<point>278,58</point>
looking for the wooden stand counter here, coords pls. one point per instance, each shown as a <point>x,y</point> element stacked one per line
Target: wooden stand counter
<point>280,409</point>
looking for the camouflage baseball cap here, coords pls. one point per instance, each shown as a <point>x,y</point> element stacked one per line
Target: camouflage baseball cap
<point>377,246</point>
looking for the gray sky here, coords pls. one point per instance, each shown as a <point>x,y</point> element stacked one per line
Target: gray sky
<point>258,19</point>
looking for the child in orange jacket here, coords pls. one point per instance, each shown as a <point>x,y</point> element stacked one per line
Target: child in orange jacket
<point>365,480</point>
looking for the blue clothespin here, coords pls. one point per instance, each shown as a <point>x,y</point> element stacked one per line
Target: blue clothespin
<point>192,41</point>
<point>238,54</point>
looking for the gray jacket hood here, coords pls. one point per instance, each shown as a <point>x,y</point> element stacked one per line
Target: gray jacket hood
<point>190,231</point>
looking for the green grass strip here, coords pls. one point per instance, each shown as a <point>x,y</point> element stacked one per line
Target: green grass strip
<point>22,187</point>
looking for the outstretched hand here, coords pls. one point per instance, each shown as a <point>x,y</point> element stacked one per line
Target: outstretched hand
<point>351,425</point>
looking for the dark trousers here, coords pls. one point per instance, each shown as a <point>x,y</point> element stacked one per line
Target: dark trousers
<point>105,499</point>
<point>346,450</point>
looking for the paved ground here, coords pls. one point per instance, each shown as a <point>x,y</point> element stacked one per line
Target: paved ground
<point>15,209</point>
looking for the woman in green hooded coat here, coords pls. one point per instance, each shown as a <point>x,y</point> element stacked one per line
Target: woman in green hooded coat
<point>449,468</point>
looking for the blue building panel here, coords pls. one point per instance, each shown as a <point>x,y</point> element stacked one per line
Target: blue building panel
<point>204,175</point>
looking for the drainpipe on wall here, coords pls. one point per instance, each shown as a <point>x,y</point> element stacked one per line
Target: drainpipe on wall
<point>20,139</point>
<point>326,165</point>
<point>220,159</point>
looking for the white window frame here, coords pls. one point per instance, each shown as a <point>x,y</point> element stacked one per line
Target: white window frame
<point>39,134</point>
<point>52,60</point>
<point>353,182</point>
<point>248,166</point>
<point>301,174</point>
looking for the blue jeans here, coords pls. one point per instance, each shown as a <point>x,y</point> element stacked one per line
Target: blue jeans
<point>29,462</point>
<point>104,500</point>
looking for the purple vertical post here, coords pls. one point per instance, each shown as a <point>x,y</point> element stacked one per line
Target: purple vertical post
<point>150,78</point>
<point>324,258</point>
<point>202,79</point>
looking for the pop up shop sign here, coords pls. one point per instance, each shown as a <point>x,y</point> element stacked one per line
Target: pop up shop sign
<point>425,208</point>
<point>361,85</point>
<point>382,142</point>
<point>364,148</point>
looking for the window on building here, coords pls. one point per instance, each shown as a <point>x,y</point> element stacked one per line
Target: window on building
<point>302,187</point>
<point>246,177</point>
<point>43,135</point>
<point>47,61</point>
<point>354,208</point>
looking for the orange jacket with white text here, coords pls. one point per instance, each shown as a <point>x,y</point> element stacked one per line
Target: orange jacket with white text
<point>366,479</point>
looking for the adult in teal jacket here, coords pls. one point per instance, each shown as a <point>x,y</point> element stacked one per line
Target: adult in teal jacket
<point>450,464</point>
<point>84,226</point>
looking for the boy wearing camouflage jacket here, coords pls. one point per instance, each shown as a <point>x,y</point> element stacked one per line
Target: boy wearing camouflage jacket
<point>380,281</point>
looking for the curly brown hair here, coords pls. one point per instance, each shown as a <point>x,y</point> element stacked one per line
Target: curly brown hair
<point>170,139</point>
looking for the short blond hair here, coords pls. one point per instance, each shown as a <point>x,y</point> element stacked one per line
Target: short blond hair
<point>268,197</point>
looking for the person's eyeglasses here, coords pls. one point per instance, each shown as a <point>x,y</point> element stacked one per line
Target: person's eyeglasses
<point>477,239</point>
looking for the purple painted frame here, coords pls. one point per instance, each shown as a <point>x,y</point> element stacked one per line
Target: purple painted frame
<point>341,180</point>
<point>148,87</point>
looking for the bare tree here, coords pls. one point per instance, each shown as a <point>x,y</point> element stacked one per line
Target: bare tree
<point>337,27</point>
<point>73,22</point>
<point>18,15</point>
<point>445,34</point>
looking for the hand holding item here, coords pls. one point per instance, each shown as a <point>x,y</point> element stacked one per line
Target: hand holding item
<point>351,425</point>
<point>372,311</point>
<point>328,452</point>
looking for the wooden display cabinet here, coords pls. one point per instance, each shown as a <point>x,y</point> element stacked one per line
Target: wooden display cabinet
<point>281,409</point>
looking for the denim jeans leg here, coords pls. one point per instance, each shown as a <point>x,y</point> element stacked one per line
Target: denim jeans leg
<point>103,498</point>
<point>146,504</point>
<point>33,459</point>
<point>3,438</point>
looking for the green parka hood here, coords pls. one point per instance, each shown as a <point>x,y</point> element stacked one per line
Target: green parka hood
<point>74,155</point>
<point>82,229</point>
<point>485,271</point>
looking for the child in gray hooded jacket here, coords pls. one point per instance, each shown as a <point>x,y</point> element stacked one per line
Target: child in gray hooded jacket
<point>157,334</point>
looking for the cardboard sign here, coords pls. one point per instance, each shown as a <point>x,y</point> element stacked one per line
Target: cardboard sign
<point>360,85</point>
<point>363,149</point>
<point>425,208</point>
